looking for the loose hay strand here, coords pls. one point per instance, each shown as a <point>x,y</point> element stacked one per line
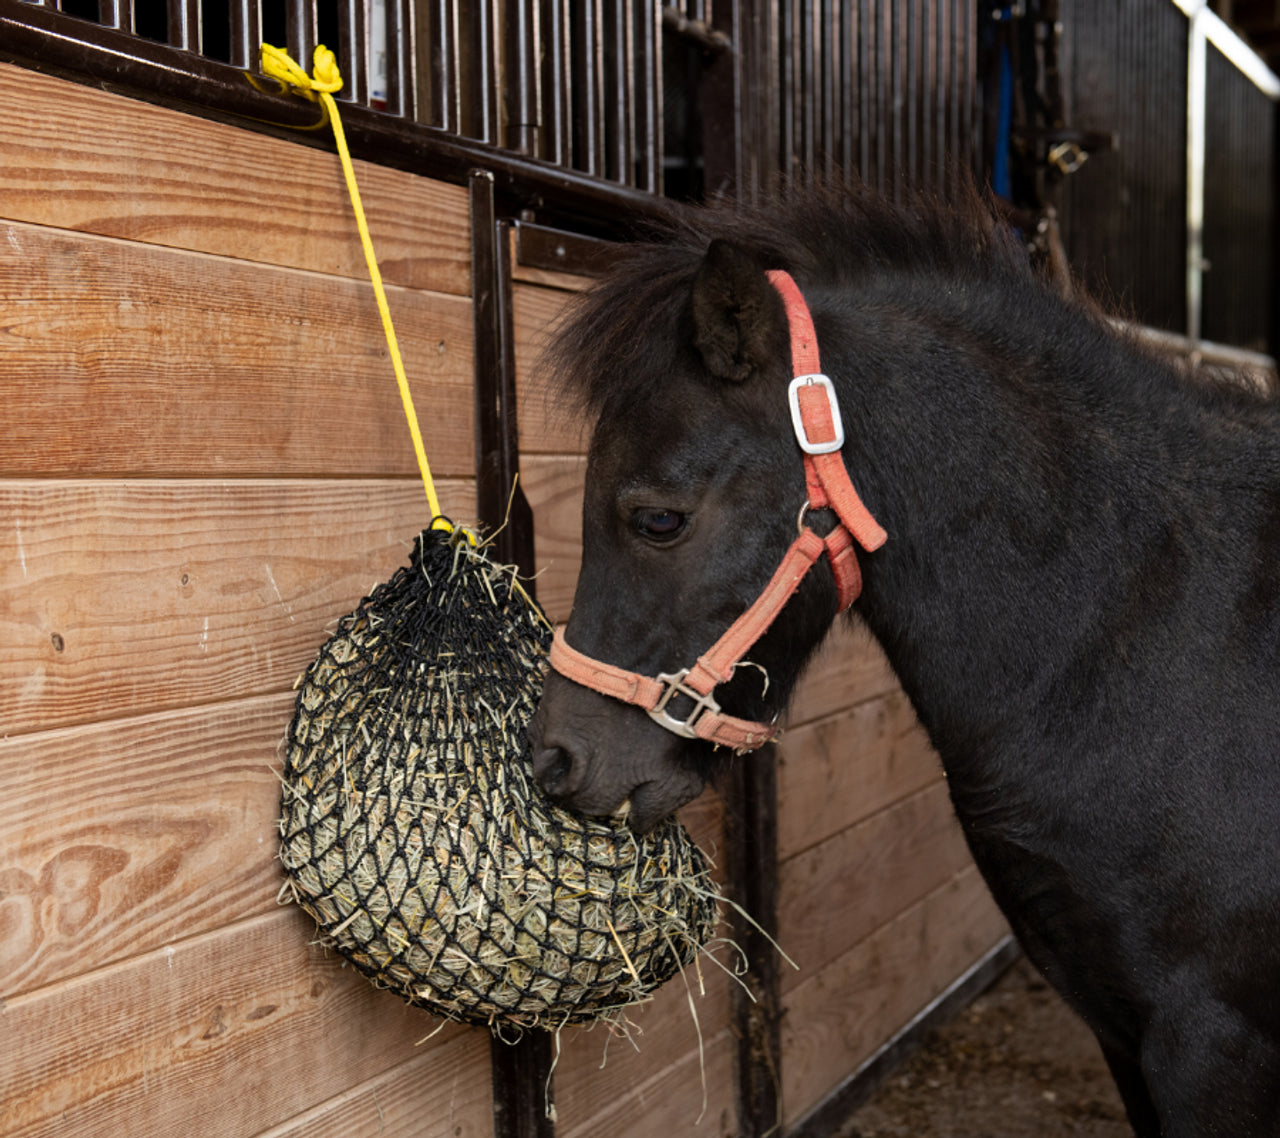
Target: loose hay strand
<point>415,834</point>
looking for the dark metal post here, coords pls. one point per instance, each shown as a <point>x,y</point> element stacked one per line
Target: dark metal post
<point>521,1070</point>
<point>499,498</point>
<point>752,840</point>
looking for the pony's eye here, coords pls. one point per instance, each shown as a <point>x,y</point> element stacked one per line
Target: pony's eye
<point>659,525</point>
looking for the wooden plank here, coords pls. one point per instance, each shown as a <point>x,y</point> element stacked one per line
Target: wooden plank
<point>670,1102</point>
<point>130,359</point>
<point>122,837</point>
<point>443,1093</point>
<point>835,894</point>
<point>596,1069</point>
<point>129,597</point>
<point>834,772</point>
<point>553,485</point>
<point>146,1048</point>
<point>848,668</point>
<point>549,424</point>
<point>82,159</point>
<point>839,1016</point>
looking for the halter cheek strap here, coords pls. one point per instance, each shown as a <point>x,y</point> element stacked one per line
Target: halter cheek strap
<point>819,429</point>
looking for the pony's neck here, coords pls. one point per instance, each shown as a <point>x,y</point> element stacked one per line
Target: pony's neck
<point>1026,480</point>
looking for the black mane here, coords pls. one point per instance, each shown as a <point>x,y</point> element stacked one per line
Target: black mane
<point>916,252</point>
<point>829,235</point>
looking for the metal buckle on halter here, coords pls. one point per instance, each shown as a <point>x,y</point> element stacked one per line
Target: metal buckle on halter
<point>675,685</point>
<point>797,420</point>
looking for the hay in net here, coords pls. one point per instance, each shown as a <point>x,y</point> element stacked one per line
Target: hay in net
<point>416,836</point>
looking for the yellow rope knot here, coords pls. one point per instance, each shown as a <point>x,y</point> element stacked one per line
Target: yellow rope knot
<point>322,83</point>
<point>325,79</point>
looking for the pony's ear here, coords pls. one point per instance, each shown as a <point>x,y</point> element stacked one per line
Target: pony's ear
<point>736,312</point>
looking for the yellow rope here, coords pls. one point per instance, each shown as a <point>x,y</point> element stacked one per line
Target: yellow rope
<point>322,83</point>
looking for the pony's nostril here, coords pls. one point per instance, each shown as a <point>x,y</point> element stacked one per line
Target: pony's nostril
<point>552,767</point>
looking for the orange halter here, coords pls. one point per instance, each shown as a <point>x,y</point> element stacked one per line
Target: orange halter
<point>815,416</point>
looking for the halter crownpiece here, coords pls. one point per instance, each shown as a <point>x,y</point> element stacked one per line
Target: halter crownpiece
<point>819,429</point>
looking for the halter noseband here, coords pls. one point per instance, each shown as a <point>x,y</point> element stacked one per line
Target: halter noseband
<point>815,416</point>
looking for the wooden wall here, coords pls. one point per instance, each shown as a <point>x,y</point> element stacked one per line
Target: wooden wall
<point>203,463</point>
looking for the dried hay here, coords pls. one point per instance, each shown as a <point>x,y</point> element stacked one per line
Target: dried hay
<point>416,836</point>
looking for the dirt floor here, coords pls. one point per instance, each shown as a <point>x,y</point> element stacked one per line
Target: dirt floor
<point>1014,1064</point>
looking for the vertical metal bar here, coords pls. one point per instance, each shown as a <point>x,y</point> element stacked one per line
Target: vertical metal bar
<point>401,79</point>
<point>352,50</point>
<point>723,108</point>
<point>589,89</point>
<point>751,812</point>
<point>808,93</point>
<point>485,95</point>
<point>246,33</point>
<point>617,39</point>
<point>300,31</point>
<point>185,26</point>
<point>521,77</point>
<point>116,14</point>
<point>497,440</point>
<point>1196,89</point>
<point>942,93</point>
<point>828,44</point>
<point>556,140</point>
<point>649,107</point>
<point>447,88</point>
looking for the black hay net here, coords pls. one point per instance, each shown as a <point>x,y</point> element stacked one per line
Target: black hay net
<point>414,833</point>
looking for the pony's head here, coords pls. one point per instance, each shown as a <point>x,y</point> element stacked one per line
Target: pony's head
<point>693,488</point>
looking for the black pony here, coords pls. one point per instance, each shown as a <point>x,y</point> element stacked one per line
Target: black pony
<point>1080,593</point>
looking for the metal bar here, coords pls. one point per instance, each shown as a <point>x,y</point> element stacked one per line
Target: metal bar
<point>751,823</point>
<point>116,14</point>
<point>588,86</point>
<point>649,147</point>
<point>50,41</point>
<point>807,94</point>
<point>186,30</point>
<point>497,444</point>
<point>485,95</point>
<point>556,142</point>
<point>522,78</point>
<point>353,51</point>
<point>848,71</point>
<point>723,128</point>
<point>828,45</point>
<point>246,33</point>
<point>300,31</point>
<point>446,80</point>
<point>401,81</point>
<point>1196,91</point>
<point>619,92</point>
<point>557,250</point>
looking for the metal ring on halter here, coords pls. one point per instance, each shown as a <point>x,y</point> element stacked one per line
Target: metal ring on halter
<point>801,516</point>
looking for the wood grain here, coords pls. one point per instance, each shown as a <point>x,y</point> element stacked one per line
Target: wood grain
<point>837,1017</point>
<point>553,485</point>
<point>848,668</point>
<point>122,837</point>
<point>596,1071</point>
<point>128,359</point>
<point>670,1102</point>
<point>127,597</point>
<point>837,893</point>
<point>82,159</point>
<point>834,772</point>
<point>548,422</point>
<point>223,1035</point>
<point>444,1093</point>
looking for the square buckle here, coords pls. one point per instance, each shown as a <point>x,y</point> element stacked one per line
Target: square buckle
<point>797,419</point>
<point>675,685</point>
